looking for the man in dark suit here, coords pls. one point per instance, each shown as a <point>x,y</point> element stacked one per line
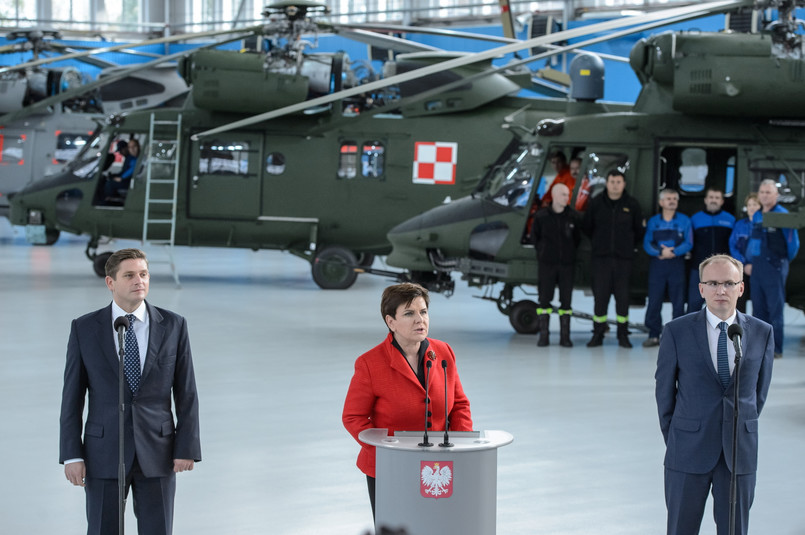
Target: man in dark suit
<point>157,445</point>
<point>695,386</point>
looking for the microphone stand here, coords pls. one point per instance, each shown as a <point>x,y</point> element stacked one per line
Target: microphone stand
<point>425,442</point>
<point>121,327</point>
<point>446,443</point>
<point>736,341</point>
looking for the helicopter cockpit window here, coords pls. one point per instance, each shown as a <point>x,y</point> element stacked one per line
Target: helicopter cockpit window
<point>68,145</point>
<point>373,159</point>
<point>275,163</point>
<point>511,181</point>
<point>348,160</point>
<point>224,158</point>
<point>11,149</point>
<point>90,157</point>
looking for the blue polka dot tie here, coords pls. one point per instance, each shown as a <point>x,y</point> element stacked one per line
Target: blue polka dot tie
<point>131,363</point>
<point>721,354</point>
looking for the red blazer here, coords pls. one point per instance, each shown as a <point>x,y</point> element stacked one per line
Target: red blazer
<point>385,393</point>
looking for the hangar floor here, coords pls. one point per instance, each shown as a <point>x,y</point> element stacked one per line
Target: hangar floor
<point>274,356</point>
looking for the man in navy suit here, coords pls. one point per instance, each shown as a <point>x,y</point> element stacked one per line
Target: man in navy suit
<point>158,365</point>
<point>694,389</point>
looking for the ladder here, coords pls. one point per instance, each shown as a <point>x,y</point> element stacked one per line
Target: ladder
<point>161,186</point>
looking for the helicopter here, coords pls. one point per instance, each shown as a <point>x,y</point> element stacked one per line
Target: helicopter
<point>326,184</point>
<point>715,110</point>
<point>341,160</point>
<point>40,144</point>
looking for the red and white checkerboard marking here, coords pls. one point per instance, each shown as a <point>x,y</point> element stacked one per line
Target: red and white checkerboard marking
<point>435,162</point>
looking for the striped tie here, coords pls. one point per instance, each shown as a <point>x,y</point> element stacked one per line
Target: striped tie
<point>721,354</point>
<point>131,363</point>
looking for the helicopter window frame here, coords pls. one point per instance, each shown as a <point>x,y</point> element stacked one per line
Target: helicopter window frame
<point>373,159</point>
<point>275,163</point>
<point>761,169</point>
<point>348,160</point>
<point>511,180</point>
<point>235,160</point>
<point>10,155</point>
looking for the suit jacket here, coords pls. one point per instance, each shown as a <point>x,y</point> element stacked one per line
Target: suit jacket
<point>385,393</point>
<point>696,412</point>
<point>151,433</point>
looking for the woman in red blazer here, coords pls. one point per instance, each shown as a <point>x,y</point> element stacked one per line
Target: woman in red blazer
<point>388,387</point>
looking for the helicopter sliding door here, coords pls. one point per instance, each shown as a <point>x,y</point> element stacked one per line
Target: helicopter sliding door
<point>225,177</point>
<point>692,168</point>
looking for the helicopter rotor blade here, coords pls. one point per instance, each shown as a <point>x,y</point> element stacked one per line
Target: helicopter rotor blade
<point>687,12</point>
<point>115,48</point>
<point>78,91</point>
<point>385,41</point>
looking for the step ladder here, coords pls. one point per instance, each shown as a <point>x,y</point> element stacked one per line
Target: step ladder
<point>161,186</point>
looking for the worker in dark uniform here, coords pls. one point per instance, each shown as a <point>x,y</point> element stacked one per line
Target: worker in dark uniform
<point>769,251</point>
<point>668,239</point>
<point>712,228</point>
<point>556,235</point>
<point>614,224</point>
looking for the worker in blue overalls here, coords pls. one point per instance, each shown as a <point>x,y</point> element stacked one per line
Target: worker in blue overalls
<point>668,238</point>
<point>769,251</point>
<point>712,228</point>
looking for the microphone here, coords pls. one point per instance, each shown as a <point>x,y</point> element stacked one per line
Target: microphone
<point>425,442</point>
<point>121,326</point>
<point>446,443</point>
<point>735,332</point>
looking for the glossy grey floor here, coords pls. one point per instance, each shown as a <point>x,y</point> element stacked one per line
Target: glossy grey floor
<point>274,356</point>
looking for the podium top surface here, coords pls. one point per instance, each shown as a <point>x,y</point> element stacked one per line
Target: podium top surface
<point>462,441</point>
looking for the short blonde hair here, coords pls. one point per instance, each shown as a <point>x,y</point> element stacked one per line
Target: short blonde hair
<point>721,259</point>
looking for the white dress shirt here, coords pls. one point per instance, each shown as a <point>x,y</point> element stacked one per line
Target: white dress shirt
<point>140,329</point>
<point>713,331</point>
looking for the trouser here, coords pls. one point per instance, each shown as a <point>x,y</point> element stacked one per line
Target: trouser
<point>551,276</point>
<point>695,299</point>
<point>662,274</point>
<point>768,295</point>
<point>610,276</point>
<point>686,496</point>
<point>153,503</point>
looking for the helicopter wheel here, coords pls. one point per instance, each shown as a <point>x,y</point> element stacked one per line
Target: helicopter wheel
<point>99,263</point>
<point>333,268</point>
<point>366,259</point>
<point>523,317</point>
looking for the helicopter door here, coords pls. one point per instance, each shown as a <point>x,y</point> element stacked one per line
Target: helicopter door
<point>225,177</point>
<point>691,169</point>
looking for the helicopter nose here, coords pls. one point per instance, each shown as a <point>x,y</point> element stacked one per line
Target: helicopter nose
<point>409,245</point>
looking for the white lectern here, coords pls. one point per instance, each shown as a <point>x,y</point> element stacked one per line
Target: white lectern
<point>436,490</point>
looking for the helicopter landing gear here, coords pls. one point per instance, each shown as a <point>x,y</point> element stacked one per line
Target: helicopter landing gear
<point>523,317</point>
<point>99,263</point>
<point>365,260</point>
<point>333,268</point>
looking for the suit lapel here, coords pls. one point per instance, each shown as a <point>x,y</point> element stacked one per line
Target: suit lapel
<point>156,332</point>
<point>106,336</point>
<point>702,341</point>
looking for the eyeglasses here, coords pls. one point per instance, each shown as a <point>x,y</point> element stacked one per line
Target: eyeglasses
<point>728,285</point>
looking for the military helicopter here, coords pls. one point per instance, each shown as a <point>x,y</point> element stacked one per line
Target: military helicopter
<point>715,109</point>
<point>41,143</point>
<point>326,182</point>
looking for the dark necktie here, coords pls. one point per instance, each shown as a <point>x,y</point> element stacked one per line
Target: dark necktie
<point>721,354</point>
<point>131,363</point>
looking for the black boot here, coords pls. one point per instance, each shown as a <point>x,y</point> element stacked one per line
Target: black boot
<point>598,334</point>
<point>543,319</point>
<point>623,335</point>
<point>564,331</point>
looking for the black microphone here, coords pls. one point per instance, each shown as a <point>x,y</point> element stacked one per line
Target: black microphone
<point>121,326</point>
<point>425,442</point>
<point>735,332</point>
<point>446,443</point>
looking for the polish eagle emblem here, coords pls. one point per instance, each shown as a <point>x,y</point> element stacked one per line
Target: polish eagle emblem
<point>436,479</point>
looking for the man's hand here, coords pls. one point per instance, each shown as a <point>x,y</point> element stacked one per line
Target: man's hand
<point>75,473</point>
<point>667,252</point>
<point>181,465</point>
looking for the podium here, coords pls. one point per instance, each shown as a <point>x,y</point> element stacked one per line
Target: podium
<point>436,490</point>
